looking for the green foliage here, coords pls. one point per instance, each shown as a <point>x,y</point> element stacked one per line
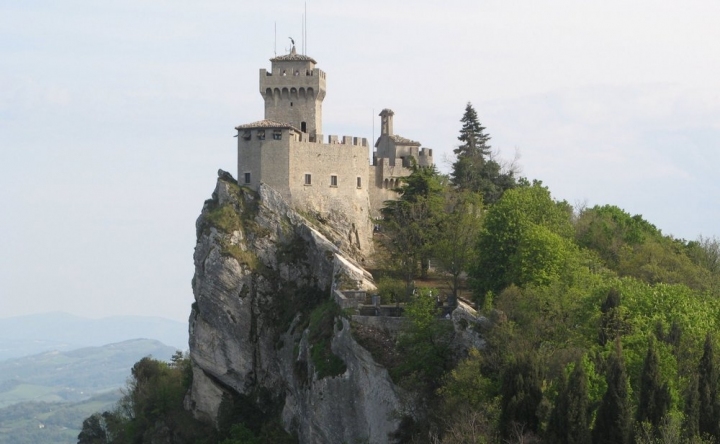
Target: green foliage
<point>322,321</point>
<point>151,408</point>
<point>569,422</point>
<point>425,345</point>
<point>411,223</point>
<point>612,424</point>
<point>454,246</point>
<point>391,290</point>
<point>655,400</point>
<point>632,246</point>
<point>707,389</point>
<point>240,434</point>
<point>474,169</point>
<point>518,228</point>
<point>470,400</point>
<point>252,418</point>
<point>225,218</point>
<point>521,393</point>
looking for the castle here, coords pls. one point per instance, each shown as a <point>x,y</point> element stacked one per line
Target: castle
<point>334,180</point>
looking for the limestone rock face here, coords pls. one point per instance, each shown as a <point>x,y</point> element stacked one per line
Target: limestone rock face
<point>260,269</point>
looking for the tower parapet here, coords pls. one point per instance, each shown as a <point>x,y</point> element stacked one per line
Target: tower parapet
<point>293,92</point>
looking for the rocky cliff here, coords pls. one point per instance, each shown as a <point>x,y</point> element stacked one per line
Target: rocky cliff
<point>263,332</point>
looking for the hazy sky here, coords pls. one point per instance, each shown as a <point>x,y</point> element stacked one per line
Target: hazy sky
<point>115,116</point>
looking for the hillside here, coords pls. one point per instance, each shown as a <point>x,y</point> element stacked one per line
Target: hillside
<point>31,334</point>
<point>74,375</point>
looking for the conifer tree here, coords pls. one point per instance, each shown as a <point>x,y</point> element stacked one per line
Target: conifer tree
<point>611,324</point>
<point>692,410</point>
<point>654,395</point>
<point>707,390</point>
<point>612,424</point>
<point>569,422</point>
<point>475,170</point>
<point>521,395</point>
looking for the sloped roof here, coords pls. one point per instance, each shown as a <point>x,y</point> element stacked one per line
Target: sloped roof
<point>403,141</point>
<point>266,124</point>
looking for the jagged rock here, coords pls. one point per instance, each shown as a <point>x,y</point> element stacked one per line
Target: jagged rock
<point>258,264</point>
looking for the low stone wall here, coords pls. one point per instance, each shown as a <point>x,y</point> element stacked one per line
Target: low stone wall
<point>389,324</point>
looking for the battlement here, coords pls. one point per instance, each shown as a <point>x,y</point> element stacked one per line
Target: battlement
<point>297,72</point>
<point>347,140</point>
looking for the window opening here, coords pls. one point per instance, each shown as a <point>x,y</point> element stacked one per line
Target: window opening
<point>303,127</point>
<point>308,179</point>
<point>359,182</point>
<point>261,134</point>
<point>246,135</point>
<point>333,181</point>
<point>277,135</point>
<point>247,177</point>
<point>290,103</point>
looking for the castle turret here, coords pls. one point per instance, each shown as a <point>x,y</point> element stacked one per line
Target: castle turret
<point>293,93</point>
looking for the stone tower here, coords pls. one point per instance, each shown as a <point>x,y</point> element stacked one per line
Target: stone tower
<point>294,92</point>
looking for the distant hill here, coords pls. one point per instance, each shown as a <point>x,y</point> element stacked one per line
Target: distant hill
<point>50,423</point>
<point>31,334</point>
<point>74,375</point>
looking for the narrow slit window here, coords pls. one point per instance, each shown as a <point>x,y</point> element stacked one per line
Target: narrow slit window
<point>333,181</point>
<point>359,182</point>
<point>247,177</point>
<point>308,179</point>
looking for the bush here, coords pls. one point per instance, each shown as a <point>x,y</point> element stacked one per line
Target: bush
<point>391,290</point>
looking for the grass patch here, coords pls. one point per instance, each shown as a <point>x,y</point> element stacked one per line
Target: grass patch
<point>322,321</point>
<point>225,218</point>
<point>244,257</point>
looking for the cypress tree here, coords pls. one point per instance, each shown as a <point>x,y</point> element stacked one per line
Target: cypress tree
<point>569,422</point>
<point>611,324</point>
<point>692,410</point>
<point>612,424</point>
<point>654,395</point>
<point>707,390</point>
<point>521,395</point>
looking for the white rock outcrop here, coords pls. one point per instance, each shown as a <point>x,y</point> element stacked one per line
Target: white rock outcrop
<point>257,261</point>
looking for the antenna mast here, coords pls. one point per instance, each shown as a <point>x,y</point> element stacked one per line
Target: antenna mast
<point>275,45</point>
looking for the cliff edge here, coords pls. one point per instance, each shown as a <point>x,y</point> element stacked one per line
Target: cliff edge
<point>266,337</point>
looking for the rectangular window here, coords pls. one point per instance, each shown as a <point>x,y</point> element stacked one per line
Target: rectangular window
<point>308,179</point>
<point>247,177</point>
<point>333,181</point>
<point>359,182</point>
<point>246,135</point>
<point>277,135</point>
<point>261,134</point>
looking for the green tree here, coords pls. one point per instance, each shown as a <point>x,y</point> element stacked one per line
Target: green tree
<point>474,168</point>
<point>94,430</point>
<point>510,239</point>
<point>611,320</point>
<point>569,422</point>
<point>521,395</point>
<point>612,423</point>
<point>454,247</point>
<point>654,394</point>
<point>707,390</point>
<point>425,344</point>
<point>691,427</point>
<point>410,224</point>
